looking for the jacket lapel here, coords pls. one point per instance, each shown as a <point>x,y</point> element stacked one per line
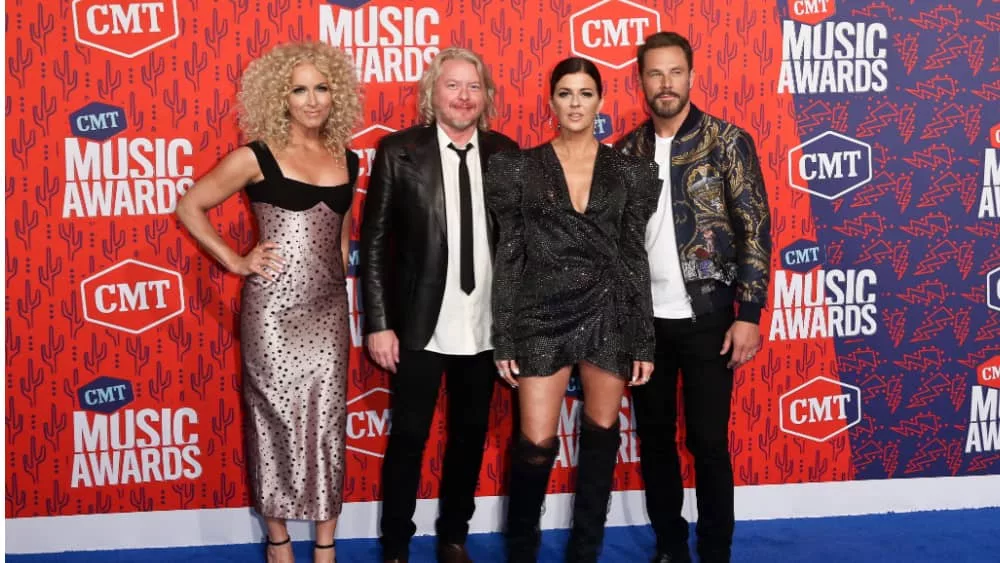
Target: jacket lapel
<point>427,158</point>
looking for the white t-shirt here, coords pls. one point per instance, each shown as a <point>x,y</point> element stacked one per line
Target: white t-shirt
<point>463,326</point>
<point>670,298</point>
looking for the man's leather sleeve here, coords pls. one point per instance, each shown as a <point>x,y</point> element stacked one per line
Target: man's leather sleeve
<point>376,230</point>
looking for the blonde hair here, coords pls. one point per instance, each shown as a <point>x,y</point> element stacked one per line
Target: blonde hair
<point>425,102</point>
<point>266,83</point>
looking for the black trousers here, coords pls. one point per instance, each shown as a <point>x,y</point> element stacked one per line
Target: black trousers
<point>692,347</point>
<point>415,386</point>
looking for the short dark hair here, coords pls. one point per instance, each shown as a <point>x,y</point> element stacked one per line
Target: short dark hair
<point>664,39</point>
<point>574,65</point>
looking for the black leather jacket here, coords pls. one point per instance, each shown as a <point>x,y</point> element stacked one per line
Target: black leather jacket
<point>721,215</point>
<point>404,246</point>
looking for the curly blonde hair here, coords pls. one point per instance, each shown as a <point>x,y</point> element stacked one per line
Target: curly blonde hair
<point>263,96</point>
<point>426,90</point>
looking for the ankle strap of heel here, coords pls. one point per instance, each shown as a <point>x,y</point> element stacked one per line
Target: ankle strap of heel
<point>277,543</point>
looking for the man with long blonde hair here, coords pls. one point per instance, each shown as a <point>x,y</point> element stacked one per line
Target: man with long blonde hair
<point>427,246</point>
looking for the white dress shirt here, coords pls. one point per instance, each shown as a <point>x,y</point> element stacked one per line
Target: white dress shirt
<point>463,325</point>
<point>670,298</point>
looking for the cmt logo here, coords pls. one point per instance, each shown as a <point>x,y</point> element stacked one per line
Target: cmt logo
<point>132,296</point>
<point>820,409</point>
<point>993,289</point>
<point>988,373</point>
<point>811,11</point>
<point>995,136</point>
<point>127,28</point>
<point>368,422</point>
<point>609,31</point>
<point>365,142</point>
<point>105,395</point>
<point>802,256</point>
<point>830,165</point>
<point>97,121</point>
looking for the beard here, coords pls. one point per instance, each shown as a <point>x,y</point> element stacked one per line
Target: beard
<point>667,108</point>
<point>456,118</point>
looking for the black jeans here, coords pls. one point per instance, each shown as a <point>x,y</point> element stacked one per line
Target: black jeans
<point>693,348</point>
<point>415,385</point>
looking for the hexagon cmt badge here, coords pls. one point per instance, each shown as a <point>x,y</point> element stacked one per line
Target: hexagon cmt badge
<point>830,165</point>
<point>988,373</point>
<point>811,11</point>
<point>820,408</point>
<point>368,422</point>
<point>132,296</point>
<point>993,289</point>
<point>609,31</point>
<point>127,28</point>
<point>105,394</point>
<point>802,256</point>
<point>97,121</point>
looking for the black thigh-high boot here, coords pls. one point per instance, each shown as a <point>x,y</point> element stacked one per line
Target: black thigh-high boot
<point>594,475</point>
<point>529,478</point>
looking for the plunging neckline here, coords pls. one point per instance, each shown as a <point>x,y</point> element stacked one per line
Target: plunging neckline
<point>565,181</point>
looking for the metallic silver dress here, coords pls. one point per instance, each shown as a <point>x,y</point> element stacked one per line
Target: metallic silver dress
<point>295,346</point>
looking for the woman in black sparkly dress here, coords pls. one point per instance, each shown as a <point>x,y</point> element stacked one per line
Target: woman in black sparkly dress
<point>571,288</point>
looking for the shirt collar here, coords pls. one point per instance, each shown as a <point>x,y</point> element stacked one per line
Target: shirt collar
<point>444,140</point>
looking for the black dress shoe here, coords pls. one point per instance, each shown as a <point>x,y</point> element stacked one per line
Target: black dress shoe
<point>672,558</point>
<point>452,553</point>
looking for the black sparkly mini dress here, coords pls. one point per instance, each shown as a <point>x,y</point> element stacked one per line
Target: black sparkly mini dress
<point>571,286</point>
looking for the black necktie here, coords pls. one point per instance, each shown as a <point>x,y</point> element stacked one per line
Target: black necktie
<point>465,204</point>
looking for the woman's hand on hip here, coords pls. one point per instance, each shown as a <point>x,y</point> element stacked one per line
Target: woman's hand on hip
<point>262,260</point>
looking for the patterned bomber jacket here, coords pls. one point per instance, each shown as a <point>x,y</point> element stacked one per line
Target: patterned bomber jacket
<point>721,215</point>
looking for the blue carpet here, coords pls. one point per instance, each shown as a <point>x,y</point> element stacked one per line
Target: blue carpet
<point>955,536</point>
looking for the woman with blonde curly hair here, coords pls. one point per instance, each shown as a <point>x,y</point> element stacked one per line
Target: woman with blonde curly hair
<point>299,104</point>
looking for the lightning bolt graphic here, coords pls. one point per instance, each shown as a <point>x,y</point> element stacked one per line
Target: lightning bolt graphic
<point>933,324</point>
<point>927,293</point>
<point>923,360</point>
<point>918,425</point>
<point>863,226</point>
<point>933,156</point>
<point>935,88</point>
<point>932,225</point>
<point>949,116</point>
<point>947,51</point>
<point>939,18</point>
<point>926,455</point>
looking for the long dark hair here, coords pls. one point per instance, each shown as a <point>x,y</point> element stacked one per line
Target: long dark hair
<point>574,65</point>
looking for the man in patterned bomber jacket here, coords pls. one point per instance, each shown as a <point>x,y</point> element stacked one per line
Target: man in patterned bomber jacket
<point>709,251</point>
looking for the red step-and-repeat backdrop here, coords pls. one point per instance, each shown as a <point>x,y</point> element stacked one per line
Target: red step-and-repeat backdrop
<point>872,120</point>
